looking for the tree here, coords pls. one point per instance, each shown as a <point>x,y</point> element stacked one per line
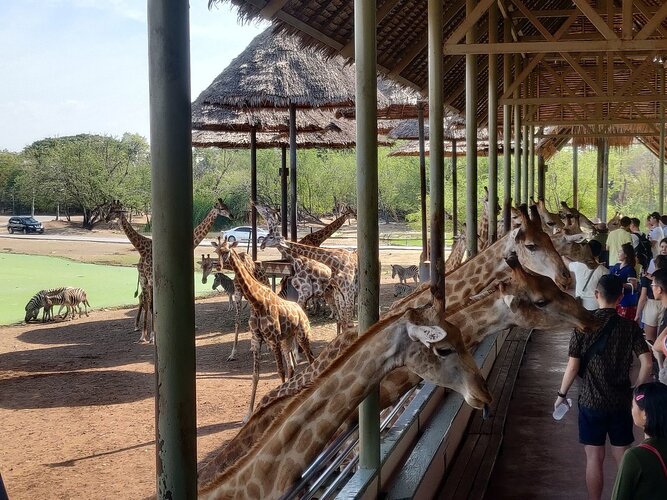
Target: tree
<point>10,168</point>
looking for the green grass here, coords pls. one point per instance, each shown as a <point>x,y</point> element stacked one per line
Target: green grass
<point>21,276</point>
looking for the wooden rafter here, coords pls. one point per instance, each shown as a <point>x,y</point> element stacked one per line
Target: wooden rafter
<point>561,46</point>
<point>649,12</point>
<point>469,21</point>
<point>653,23</point>
<point>596,19</point>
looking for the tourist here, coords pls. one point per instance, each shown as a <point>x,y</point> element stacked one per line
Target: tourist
<point>649,308</point>
<point>663,251</point>
<point>587,275</point>
<point>659,286</point>
<point>617,238</point>
<point>626,270</point>
<point>642,474</point>
<point>655,233</point>
<point>605,395</point>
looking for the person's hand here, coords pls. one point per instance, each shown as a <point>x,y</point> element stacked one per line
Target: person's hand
<point>559,401</point>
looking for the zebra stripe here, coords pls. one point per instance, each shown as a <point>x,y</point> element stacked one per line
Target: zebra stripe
<point>405,272</point>
<point>402,289</point>
<point>230,288</point>
<point>37,301</point>
<point>71,299</point>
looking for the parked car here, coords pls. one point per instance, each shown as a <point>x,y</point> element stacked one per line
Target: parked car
<point>25,224</point>
<point>242,234</point>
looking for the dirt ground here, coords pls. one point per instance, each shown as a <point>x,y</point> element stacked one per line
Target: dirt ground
<point>76,398</point>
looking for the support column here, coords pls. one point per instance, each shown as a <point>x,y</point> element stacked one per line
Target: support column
<point>253,192</point>
<point>661,146</point>
<point>575,175</point>
<point>541,171</point>
<point>436,144</point>
<point>599,179</point>
<point>455,188</point>
<point>292,171</point>
<point>493,126</point>
<point>283,190</point>
<point>507,135</point>
<point>531,162</point>
<point>524,165</point>
<point>605,178</point>
<point>517,135</point>
<point>424,271</point>
<point>471,141</point>
<point>368,236</point>
<point>173,267</point>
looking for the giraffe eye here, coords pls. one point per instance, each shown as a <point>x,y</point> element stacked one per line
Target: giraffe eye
<point>443,351</point>
<point>531,247</point>
<point>541,303</point>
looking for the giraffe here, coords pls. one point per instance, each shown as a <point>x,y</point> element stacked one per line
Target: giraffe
<point>483,236</point>
<point>614,222</point>
<point>272,319</point>
<point>343,264</point>
<point>549,219</point>
<point>144,246</point>
<point>458,251</point>
<point>320,236</point>
<point>584,221</point>
<point>523,299</point>
<point>533,246</point>
<point>420,339</point>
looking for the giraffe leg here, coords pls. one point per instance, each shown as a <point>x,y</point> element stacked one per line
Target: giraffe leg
<point>301,336</point>
<point>255,347</point>
<point>137,320</point>
<point>148,297</point>
<point>237,323</point>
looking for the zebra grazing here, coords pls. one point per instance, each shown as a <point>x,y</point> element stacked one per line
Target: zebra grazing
<point>227,284</point>
<point>71,299</point>
<point>405,272</point>
<point>38,301</point>
<point>403,289</point>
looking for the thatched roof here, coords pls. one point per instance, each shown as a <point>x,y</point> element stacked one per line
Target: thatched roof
<point>412,149</point>
<point>211,117</point>
<point>409,129</point>
<point>275,70</point>
<point>339,134</point>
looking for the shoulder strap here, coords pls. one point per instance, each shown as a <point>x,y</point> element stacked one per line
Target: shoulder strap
<point>588,280</point>
<point>657,454</point>
<point>599,344</point>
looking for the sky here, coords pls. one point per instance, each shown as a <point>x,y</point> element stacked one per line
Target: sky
<point>81,66</point>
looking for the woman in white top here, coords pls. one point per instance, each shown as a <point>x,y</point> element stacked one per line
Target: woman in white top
<point>586,276</point>
<point>663,251</point>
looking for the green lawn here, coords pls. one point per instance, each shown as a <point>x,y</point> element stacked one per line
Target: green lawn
<point>21,276</point>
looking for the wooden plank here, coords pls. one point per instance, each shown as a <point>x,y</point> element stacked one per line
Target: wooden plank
<point>470,474</point>
<point>498,425</point>
<point>653,23</point>
<point>479,487</point>
<point>453,476</point>
<point>578,46</point>
<point>470,20</point>
<point>596,19</point>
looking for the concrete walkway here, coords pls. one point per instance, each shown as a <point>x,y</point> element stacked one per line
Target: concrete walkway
<point>541,458</point>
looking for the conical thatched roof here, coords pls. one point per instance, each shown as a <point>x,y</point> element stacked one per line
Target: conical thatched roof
<point>211,117</point>
<point>275,70</point>
<point>339,134</point>
<point>412,149</point>
<point>454,129</point>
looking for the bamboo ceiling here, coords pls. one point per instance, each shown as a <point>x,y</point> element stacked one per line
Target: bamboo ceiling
<point>587,67</point>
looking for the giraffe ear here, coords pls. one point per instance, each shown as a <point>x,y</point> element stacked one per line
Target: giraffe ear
<point>233,245</point>
<point>511,302</point>
<point>425,334</point>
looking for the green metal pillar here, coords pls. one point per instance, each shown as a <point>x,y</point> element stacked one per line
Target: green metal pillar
<point>455,187</point>
<point>605,178</point>
<point>283,190</point>
<point>253,192</point>
<point>368,236</point>
<point>436,144</point>
<point>517,135</point>
<point>507,134</point>
<point>661,146</point>
<point>493,126</point>
<point>471,141</point>
<point>575,175</point>
<point>423,272</point>
<point>531,162</point>
<point>292,171</point>
<point>541,171</point>
<point>173,267</point>
<point>524,165</point>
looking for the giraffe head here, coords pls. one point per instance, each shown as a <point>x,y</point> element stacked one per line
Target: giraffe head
<point>114,211</point>
<point>436,351</point>
<point>614,222</point>
<point>270,215</point>
<point>537,302</point>
<point>349,211</point>
<point>208,265</point>
<point>273,240</point>
<point>222,209</point>
<point>224,249</point>
<point>536,250</point>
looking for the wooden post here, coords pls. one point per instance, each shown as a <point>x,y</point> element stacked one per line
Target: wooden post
<point>517,135</point>
<point>292,171</point>
<point>283,190</point>
<point>253,191</point>
<point>422,187</point>
<point>575,175</point>
<point>455,188</point>
<point>471,141</point>
<point>507,135</point>
<point>493,126</point>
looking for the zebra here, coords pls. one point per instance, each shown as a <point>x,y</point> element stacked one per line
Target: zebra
<point>402,289</point>
<point>405,272</point>
<point>71,299</point>
<point>227,283</point>
<point>38,301</point>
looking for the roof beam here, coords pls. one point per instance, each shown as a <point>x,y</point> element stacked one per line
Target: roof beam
<point>649,12</point>
<point>562,46</point>
<point>271,7</point>
<point>596,19</point>
<point>592,121</point>
<point>470,20</point>
<point>653,23</point>
<point>582,99</point>
<point>627,19</point>
<point>597,134</point>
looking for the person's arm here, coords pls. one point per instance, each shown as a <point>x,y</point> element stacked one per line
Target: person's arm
<point>643,298</point>
<point>659,348</point>
<point>627,478</point>
<point>645,368</point>
<point>568,379</point>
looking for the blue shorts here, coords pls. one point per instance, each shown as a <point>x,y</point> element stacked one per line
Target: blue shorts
<point>595,425</point>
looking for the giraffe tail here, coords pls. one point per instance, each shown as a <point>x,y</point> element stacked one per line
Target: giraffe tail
<point>136,292</point>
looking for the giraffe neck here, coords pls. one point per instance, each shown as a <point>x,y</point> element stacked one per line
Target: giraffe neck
<point>332,258</point>
<point>204,226</point>
<point>484,228</point>
<point>297,436</point>
<point>247,283</point>
<point>482,317</point>
<point>477,273</point>
<point>320,236</point>
<point>456,256</point>
<point>141,243</point>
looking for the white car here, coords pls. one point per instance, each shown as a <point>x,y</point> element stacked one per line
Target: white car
<point>242,234</point>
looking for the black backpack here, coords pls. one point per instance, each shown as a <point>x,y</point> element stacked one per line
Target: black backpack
<point>644,252</point>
